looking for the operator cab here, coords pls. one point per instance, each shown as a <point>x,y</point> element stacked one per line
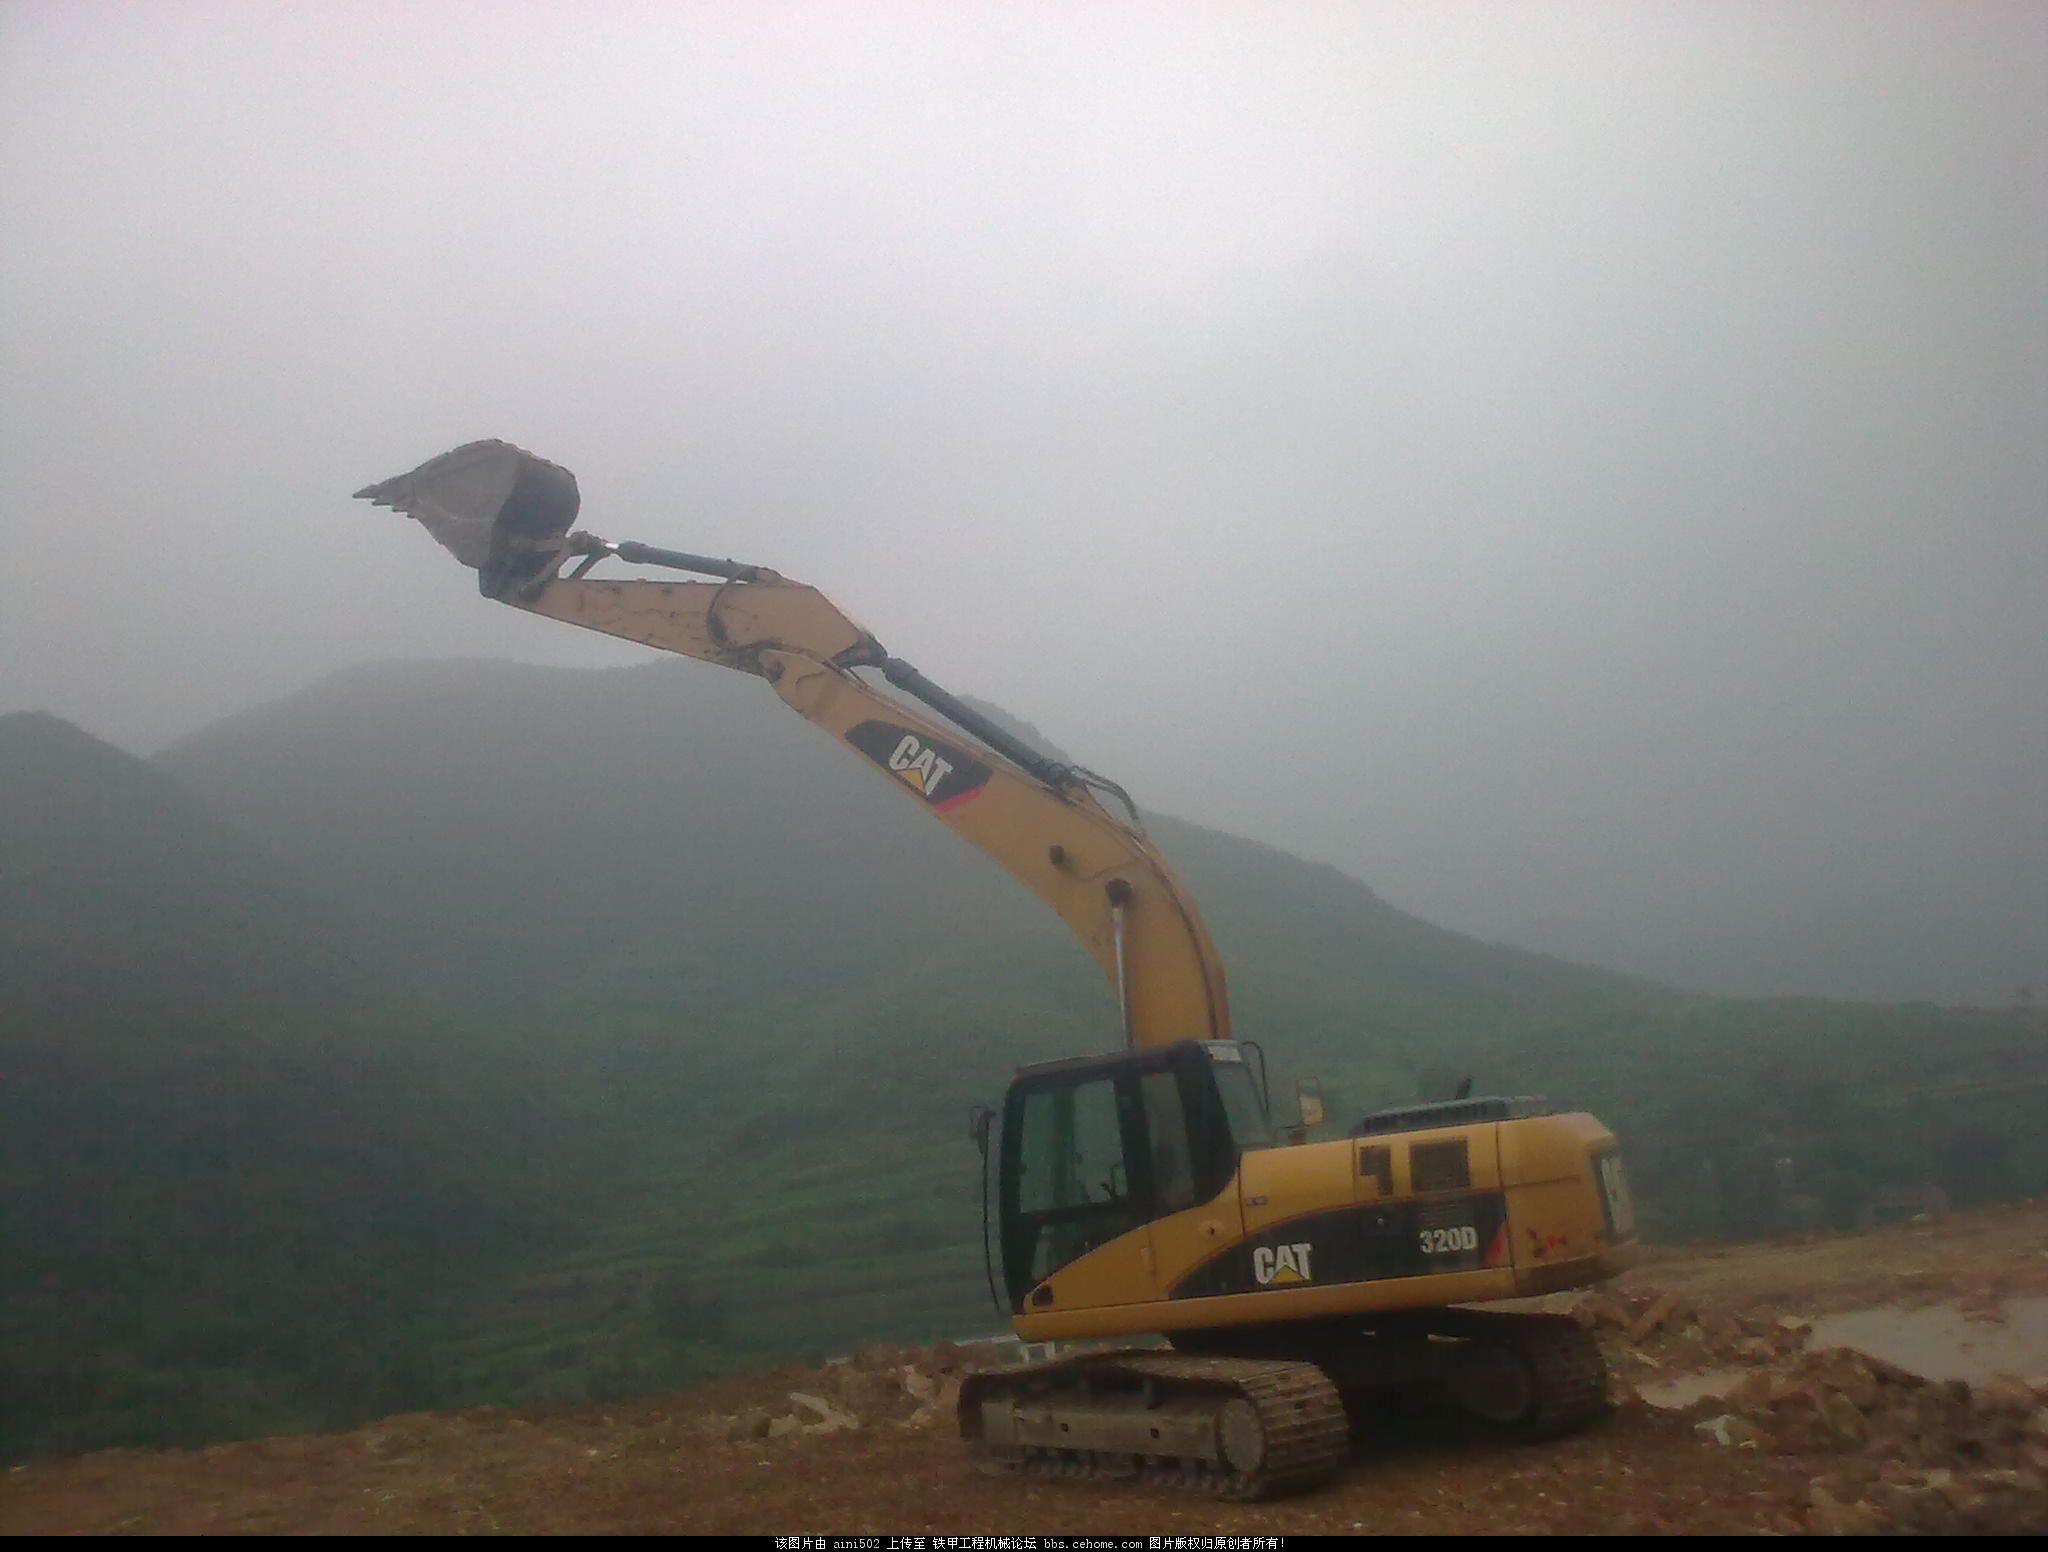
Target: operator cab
<point>1095,1147</point>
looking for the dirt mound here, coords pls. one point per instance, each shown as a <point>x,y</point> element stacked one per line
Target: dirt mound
<point>1896,1451</point>
<point>879,1386</point>
<point>1907,1453</point>
<point>1645,1329</point>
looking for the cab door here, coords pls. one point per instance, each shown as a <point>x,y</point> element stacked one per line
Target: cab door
<point>1076,1194</point>
<point>1197,1212</point>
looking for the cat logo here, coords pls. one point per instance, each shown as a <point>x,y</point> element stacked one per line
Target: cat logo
<point>920,765</point>
<point>944,775</point>
<point>1273,1265</point>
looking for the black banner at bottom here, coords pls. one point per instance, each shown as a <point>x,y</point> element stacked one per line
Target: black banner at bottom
<point>1031,1543</point>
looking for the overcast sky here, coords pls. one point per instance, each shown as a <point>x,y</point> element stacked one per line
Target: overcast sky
<point>1579,467</point>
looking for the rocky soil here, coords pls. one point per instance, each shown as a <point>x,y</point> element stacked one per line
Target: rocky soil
<point>1735,1412</point>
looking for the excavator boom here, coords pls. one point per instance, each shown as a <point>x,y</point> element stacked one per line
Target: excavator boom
<point>506,513</point>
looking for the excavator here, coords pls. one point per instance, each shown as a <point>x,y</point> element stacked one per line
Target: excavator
<point>1144,1193</point>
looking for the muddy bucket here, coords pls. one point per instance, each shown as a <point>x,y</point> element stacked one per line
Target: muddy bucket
<point>495,507</point>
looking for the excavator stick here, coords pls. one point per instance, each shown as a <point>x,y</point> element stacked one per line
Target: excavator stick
<point>498,509</point>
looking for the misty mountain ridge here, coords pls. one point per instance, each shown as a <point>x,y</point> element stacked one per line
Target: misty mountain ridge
<point>667,854</point>
<point>650,820</point>
<point>222,1142</point>
<point>119,887</point>
<point>640,961</point>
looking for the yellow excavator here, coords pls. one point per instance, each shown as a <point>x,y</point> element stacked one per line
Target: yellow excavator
<point>1144,1192</point>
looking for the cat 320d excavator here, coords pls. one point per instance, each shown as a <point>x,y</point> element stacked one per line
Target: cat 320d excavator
<point>1145,1191</point>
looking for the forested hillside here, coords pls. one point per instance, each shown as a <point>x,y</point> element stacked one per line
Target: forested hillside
<point>507,1034</point>
<point>239,1185</point>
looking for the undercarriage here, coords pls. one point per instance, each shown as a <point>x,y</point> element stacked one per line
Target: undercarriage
<point>1258,1412</point>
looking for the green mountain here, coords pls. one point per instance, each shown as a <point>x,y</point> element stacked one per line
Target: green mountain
<point>761,965</point>
<point>119,890</point>
<point>225,1174</point>
<point>466,1032</point>
<point>666,832</point>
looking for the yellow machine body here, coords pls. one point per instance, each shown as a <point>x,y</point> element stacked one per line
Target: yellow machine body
<point>1497,1210</point>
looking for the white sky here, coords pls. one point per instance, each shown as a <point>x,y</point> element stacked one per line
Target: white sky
<point>1579,467</point>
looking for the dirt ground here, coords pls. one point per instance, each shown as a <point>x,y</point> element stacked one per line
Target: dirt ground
<point>1814,1439</point>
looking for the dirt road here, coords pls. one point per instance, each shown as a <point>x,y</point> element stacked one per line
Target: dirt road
<point>1815,1439</point>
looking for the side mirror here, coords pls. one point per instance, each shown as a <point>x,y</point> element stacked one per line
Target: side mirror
<point>1309,1092</point>
<point>979,1119</point>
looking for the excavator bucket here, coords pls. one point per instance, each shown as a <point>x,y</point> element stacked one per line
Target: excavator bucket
<point>495,507</point>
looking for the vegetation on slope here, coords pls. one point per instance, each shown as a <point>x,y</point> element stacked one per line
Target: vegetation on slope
<point>541,1035</point>
<point>239,1191</point>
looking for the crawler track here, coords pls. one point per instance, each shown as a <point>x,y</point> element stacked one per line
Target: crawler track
<point>1571,1376</point>
<point>1529,1376</point>
<point>1234,1428</point>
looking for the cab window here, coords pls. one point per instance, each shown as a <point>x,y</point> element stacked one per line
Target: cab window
<point>1073,1151</point>
<point>1166,1135</point>
<point>1242,1107</point>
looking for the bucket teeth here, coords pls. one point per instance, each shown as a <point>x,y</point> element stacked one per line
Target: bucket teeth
<point>394,492</point>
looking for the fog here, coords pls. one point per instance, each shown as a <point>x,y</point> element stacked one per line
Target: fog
<point>1578,468</point>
